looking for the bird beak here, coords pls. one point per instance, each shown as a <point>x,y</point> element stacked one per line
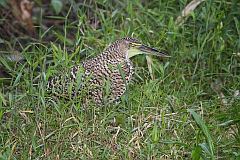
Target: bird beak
<point>152,51</point>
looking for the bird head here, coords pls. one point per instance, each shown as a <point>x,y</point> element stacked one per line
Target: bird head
<point>134,47</point>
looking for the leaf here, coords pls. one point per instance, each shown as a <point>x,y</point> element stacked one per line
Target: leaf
<point>22,11</point>
<point>196,153</point>
<point>57,5</point>
<point>150,63</point>
<point>64,39</point>
<point>187,10</point>
<point>205,148</point>
<point>57,53</point>
<point>155,133</point>
<point>205,130</point>
<point>4,63</point>
<point>3,3</point>
<point>2,99</point>
<point>1,40</point>
<point>17,79</point>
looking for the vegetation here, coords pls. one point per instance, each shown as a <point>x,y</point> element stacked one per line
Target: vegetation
<point>190,110</point>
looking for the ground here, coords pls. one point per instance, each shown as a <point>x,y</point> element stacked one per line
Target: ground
<point>190,110</point>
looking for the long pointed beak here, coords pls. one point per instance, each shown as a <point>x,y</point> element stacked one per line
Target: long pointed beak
<point>152,51</point>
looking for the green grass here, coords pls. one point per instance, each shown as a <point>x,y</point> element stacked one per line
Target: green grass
<point>178,115</point>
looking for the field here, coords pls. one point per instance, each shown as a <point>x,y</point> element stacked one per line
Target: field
<point>189,110</point>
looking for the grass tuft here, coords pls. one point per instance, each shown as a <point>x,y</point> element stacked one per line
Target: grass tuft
<point>152,121</point>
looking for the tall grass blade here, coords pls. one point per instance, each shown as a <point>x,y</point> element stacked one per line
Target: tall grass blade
<point>206,132</point>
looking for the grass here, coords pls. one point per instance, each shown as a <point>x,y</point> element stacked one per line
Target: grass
<point>181,114</point>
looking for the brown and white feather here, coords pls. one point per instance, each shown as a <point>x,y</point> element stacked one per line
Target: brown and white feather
<point>112,66</point>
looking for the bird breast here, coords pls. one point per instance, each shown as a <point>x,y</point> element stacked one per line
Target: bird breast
<point>112,74</point>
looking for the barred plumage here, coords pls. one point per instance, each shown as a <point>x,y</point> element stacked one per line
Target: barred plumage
<point>112,69</point>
